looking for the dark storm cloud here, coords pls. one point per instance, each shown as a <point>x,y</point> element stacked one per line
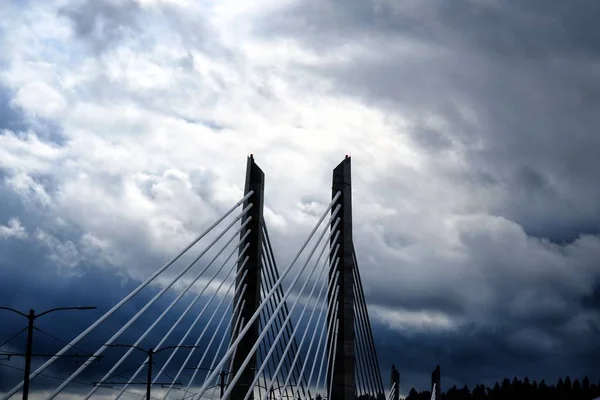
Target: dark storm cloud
<point>473,356</point>
<point>33,281</point>
<point>525,68</point>
<point>518,88</point>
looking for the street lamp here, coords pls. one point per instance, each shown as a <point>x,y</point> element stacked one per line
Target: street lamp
<point>31,317</point>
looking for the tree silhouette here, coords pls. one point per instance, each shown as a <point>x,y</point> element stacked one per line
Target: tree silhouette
<point>517,389</point>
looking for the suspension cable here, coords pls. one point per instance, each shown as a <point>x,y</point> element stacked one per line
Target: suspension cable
<point>279,293</point>
<point>257,312</point>
<point>314,309</point>
<point>270,339</point>
<point>279,322</point>
<point>324,311</point>
<point>330,328</point>
<point>189,307</point>
<point>191,352</point>
<point>367,323</point>
<point>235,327</point>
<point>162,315</point>
<point>124,300</point>
<point>310,296</point>
<point>297,299</point>
<point>140,312</point>
<point>364,364</point>
<point>331,358</point>
<point>210,342</point>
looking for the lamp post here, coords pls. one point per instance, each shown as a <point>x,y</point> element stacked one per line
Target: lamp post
<point>31,318</point>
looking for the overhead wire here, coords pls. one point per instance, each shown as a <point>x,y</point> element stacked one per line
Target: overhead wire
<point>13,336</point>
<point>62,379</point>
<point>119,375</point>
<point>227,328</point>
<point>165,312</point>
<point>235,306</point>
<point>197,297</point>
<point>45,365</point>
<point>150,303</point>
<point>208,323</point>
<point>193,325</point>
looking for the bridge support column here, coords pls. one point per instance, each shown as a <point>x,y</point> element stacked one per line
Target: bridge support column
<point>255,180</point>
<point>395,383</point>
<point>436,380</point>
<point>343,361</point>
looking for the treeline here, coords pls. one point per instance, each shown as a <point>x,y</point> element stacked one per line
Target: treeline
<point>517,389</point>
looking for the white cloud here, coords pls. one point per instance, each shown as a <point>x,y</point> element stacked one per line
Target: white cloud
<point>62,253</point>
<point>41,99</point>
<point>26,153</point>
<point>155,128</point>
<point>14,229</point>
<point>414,321</point>
<point>29,189</point>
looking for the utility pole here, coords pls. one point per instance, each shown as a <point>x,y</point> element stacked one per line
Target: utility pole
<point>151,352</point>
<point>28,351</point>
<point>222,375</point>
<point>31,317</point>
<point>149,378</point>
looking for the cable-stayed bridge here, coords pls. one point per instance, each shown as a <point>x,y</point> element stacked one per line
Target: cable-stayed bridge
<point>246,328</point>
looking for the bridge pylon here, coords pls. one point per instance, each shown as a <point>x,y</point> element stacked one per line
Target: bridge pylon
<point>343,385</point>
<point>255,181</point>
<point>436,380</point>
<point>395,384</point>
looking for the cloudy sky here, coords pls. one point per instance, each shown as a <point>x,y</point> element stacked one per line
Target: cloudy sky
<point>472,126</point>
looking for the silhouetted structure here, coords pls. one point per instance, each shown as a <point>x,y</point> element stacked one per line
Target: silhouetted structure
<point>259,337</point>
<point>517,389</point>
<point>436,380</point>
<point>395,383</point>
<point>255,181</point>
<point>343,386</point>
